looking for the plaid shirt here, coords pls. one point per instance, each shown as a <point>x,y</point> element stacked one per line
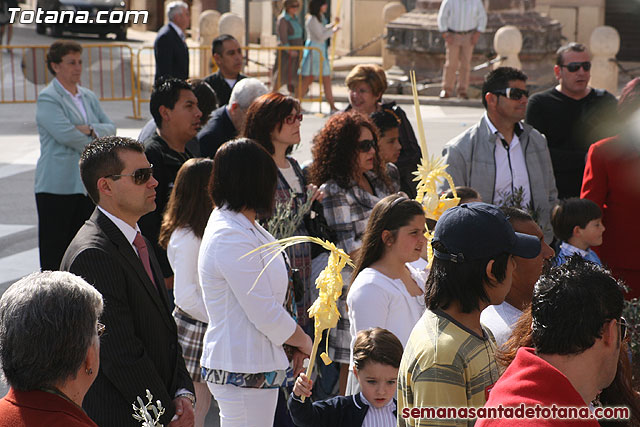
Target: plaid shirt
<point>347,210</point>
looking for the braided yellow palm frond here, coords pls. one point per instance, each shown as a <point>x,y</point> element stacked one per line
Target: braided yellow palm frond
<point>324,310</point>
<point>430,173</point>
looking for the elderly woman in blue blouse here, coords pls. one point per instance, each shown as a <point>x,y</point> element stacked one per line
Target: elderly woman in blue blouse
<point>68,118</point>
<point>244,362</point>
<point>289,32</point>
<point>347,166</point>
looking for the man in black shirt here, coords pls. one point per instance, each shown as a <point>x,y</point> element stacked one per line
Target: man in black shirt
<point>228,56</point>
<point>572,116</point>
<point>174,108</point>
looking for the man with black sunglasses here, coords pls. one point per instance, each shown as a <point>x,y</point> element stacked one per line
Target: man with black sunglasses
<point>140,350</point>
<point>572,116</point>
<point>506,161</point>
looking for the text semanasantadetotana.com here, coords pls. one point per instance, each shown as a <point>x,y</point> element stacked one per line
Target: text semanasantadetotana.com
<point>40,16</point>
<point>518,412</point>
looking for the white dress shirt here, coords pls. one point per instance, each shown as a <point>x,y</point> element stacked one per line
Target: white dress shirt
<point>376,300</point>
<point>77,100</point>
<point>182,252</point>
<point>128,231</point>
<point>462,15</point>
<point>247,324</point>
<point>511,167</point>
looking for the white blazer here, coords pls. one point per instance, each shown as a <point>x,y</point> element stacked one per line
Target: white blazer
<point>247,327</point>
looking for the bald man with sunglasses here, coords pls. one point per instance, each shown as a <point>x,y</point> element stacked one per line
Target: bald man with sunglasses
<point>141,349</point>
<point>506,161</point>
<point>572,116</point>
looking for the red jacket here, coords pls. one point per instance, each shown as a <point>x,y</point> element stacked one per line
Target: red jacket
<point>612,180</point>
<point>531,381</point>
<point>39,408</point>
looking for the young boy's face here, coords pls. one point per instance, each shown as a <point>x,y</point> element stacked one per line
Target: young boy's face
<point>377,382</point>
<point>592,233</point>
<point>389,146</point>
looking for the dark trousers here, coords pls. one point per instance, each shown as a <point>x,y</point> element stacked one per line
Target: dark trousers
<point>60,216</point>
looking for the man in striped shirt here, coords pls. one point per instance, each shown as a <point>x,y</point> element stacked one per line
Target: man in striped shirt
<point>449,358</point>
<point>461,22</point>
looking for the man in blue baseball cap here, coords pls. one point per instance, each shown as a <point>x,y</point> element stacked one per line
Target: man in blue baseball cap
<point>449,358</point>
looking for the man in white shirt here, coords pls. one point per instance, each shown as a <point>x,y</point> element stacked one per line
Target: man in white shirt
<point>506,161</point>
<point>141,350</point>
<point>461,23</point>
<point>170,49</point>
<point>500,319</point>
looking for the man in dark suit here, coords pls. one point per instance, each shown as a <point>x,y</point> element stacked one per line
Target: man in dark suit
<point>170,49</point>
<point>141,349</point>
<point>228,56</point>
<point>227,121</point>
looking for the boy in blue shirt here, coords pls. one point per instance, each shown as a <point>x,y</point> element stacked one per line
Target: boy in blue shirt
<point>376,355</point>
<point>578,224</point>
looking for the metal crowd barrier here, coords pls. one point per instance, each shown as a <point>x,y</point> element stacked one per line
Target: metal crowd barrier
<point>107,70</point>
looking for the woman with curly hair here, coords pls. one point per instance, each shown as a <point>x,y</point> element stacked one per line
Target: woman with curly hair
<point>348,168</point>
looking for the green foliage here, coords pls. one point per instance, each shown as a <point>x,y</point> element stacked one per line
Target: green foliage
<point>516,200</point>
<point>143,412</point>
<point>286,219</point>
<point>631,313</point>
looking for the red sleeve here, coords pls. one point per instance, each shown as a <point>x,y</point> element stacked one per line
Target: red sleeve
<point>595,180</point>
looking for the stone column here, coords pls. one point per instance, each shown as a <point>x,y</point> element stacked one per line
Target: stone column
<point>605,43</point>
<point>208,30</point>
<point>230,23</point>
<point>508,44</point>
<point>390,12</point>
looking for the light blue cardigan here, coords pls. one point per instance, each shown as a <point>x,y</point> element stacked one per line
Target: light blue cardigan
<point>61,144</point>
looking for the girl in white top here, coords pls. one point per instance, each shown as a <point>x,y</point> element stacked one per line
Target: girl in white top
<point>185,218</point>
<point>387,292</point>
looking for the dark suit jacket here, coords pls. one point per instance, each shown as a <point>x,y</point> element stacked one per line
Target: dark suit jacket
<point>139,349</point>
<point>218,130</point>
<point>221,87</point>
<point>172,55</point>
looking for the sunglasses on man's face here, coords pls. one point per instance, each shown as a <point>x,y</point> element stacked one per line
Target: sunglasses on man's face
<point>292,118</point>
<point>367,145</point>
<point>140,176</point>
<point>623,328</point>
<point>512,93</point>
<point>572,67</point>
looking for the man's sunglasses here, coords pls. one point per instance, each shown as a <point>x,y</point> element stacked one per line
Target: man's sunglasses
<point>292,119</point>
<point>623,328</point>
<point>512,93</point>
<point>572,67</point>
<point>140,176</point>
<point>367,145</point>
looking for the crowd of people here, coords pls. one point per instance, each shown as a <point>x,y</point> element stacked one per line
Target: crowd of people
<point>160,240</point>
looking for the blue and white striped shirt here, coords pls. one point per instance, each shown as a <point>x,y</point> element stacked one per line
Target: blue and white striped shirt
<point>379,417</point>
<point>462,15</point>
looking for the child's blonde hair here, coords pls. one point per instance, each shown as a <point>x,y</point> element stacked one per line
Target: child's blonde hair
<point>377,345</point>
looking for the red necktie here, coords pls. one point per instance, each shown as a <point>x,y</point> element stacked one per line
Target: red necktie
<point>141,246</point>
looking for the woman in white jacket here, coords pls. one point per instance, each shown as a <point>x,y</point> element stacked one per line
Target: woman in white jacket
<point>243,361</point>
<point>318,31</point>
<point>387,291</point>
<point>182,228</point>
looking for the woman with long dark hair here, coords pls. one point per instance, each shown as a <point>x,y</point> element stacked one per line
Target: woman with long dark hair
<point>387,292</point>
<point>347,166</point>
<point>183,225</point>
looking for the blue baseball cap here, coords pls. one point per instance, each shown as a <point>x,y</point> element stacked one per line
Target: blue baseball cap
<point>477,230</point>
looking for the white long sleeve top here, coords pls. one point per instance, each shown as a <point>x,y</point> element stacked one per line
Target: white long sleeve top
<point>376,300</point>
<point>462,15</point>
<point>316,32</point>
<point>247,324</point>
<point>182,252</point>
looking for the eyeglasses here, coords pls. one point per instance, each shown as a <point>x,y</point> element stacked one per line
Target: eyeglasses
<point>367,145</point>
<point>572,67</point>
<point>512,93</point>
<point>623,328</point>
<point>100,329</point>
<point>292,119</point>
<point>140,176</point>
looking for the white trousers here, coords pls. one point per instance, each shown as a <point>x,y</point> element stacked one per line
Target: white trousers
<point>245,407</point>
